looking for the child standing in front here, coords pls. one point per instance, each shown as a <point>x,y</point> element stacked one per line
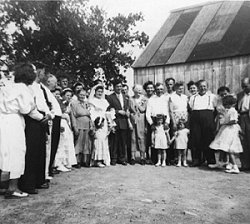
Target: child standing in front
<point>227,139</point>
<point>160,140</point>
<point>181,142</point>
<point>101,154</point>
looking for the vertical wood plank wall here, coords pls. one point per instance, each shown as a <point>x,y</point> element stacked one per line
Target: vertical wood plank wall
<point>228,72</point>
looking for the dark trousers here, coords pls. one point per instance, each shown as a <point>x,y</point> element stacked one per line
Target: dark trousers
<point>118,145</point>
<point>55,137</point>
<point>128,143</point>
<point>202,127</point>
<point>34,174</point>
<point>244,122</point>
<point>148,141</point>
<point>171,152</point>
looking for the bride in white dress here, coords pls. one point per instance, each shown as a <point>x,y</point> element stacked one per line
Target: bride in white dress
<point>98,107</point>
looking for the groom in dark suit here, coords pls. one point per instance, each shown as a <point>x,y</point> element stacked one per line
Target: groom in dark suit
<point>120,103</point>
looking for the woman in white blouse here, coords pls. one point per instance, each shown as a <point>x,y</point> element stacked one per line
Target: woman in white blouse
<point>15,100</point>
<point>178,105</point>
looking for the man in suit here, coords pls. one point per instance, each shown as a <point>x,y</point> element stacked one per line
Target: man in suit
<point>243,106</point>
<point>118,140</point>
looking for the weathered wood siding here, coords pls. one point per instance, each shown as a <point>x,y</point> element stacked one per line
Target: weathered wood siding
<point>228,72</point>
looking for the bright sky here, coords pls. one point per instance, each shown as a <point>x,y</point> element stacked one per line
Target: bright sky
<point>155,13</point>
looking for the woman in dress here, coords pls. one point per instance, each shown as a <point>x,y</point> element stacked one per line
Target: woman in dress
<point>15,100</point>
<point>98,107</point>
<point>227,138</point>
<point>219,119</point>
<point>178,105</point>
<point>81,123</point>
<point>137,116</point>
<point>65,156</point>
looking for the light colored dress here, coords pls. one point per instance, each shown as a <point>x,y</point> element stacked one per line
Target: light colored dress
<point>15,100</point>
<point>227,139</point>
<point>80,117</point>
<point>159,138</point>
<point>101,149</point>
<point>178,106</point>
<point>138,119</point>
<point>181,140</point>
<point>98,108</point>
<point>66,152</point>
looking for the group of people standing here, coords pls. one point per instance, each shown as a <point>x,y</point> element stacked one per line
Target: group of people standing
<point>48,128</point>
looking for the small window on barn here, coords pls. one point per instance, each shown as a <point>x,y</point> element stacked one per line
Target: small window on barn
<point>183,23</point>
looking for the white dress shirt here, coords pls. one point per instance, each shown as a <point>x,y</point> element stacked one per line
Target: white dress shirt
<point>120,97</point>
<point>56,109</point>
<point>39,98</point>
<point>203,102</point>
<point>245,103</point>
<point>157,105</point>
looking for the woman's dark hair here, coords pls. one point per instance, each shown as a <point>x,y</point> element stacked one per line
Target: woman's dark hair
<point>80,90</point>
<point>146,84</point>
<point>99,87</point>
<point>98,121</point>
<point>97,81</point>
<point>77,84</point>
<point>222,89</point>
<point>191,83</point>
<point>24,73</point>
<point>229,100</point>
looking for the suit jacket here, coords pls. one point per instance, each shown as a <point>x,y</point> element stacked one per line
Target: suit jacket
<point>114,102</point>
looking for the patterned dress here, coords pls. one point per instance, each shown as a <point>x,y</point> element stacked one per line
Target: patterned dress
<point>80,117</point>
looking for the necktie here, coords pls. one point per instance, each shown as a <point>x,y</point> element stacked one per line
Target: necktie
<point>49,104</point>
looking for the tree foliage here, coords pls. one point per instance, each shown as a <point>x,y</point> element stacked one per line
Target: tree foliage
<point>69,36</point>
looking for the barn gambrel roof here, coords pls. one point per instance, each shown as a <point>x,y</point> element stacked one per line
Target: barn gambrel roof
<point>203,32</point>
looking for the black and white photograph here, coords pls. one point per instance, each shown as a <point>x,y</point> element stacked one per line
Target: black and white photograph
<point>124,111</point>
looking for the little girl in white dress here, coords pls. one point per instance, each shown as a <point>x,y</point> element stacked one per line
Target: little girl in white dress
<point>101,154</point>
<point>228,137</point>
<point>160,140</point>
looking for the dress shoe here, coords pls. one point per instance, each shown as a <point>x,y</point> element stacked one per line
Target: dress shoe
<point>143,162</point>
<point>77,166</point>
<point>132,162</point>
<point>63,169</point>
<point>113,163</point>
<point>44,186</point>
<point>31,191</point>
<point>56,171</point>
<point>124,163</point>
<point>244,169</point>
<point>100,165</point>
<point>15,195</point>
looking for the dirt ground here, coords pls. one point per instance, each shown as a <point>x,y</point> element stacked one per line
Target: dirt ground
<point>136,194</point>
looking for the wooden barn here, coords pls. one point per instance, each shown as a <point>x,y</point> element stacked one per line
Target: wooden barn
<point>209,41</point>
